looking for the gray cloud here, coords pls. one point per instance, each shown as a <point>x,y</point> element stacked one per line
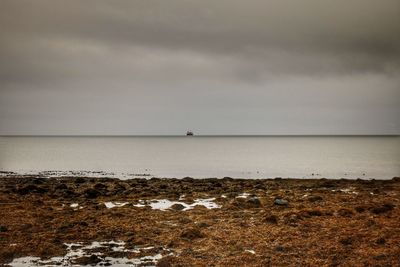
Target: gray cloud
<point>159,67</point>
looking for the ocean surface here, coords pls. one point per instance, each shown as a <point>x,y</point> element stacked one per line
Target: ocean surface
<point>204,156</point>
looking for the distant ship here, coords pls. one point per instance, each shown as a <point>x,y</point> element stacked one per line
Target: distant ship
<point>189,133</point>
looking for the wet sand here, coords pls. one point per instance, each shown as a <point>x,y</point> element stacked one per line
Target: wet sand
<point>199,222</point>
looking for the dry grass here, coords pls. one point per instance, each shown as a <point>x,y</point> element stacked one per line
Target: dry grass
<point>327,222</point>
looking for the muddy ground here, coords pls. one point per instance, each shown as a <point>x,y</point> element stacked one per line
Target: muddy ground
<point>279,222</point>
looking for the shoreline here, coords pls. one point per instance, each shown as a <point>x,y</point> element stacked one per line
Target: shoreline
<point>200,222</point>
<point>124,176</point>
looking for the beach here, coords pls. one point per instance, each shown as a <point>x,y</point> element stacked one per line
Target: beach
<point>198,222</point>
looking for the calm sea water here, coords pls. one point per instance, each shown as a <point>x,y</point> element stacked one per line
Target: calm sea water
<point>245,157</point>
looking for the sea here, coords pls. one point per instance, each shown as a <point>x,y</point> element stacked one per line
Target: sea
<point>350,157</point>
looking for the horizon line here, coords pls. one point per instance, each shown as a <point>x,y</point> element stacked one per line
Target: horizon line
<point>202,135</point>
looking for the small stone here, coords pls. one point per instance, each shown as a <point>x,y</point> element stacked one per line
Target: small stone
<point>346,241</point>
<point>272,219</point>
<point>360,209</point>
<point>314,198</point>
<point>381,241</point>
<point>177,207</point>
<point>61,187</point>
<point>184,220</point>
<point>92,260</point>
<point>91,193</point>
<point>100,186</point>
<point>191,233</point>
<point>345,212</point>
<point>165,262</point>
<point>281,202</point>
<point>3,228</point>
<point>383,209</point>
<point>312,213</point>
<point>202,225</point>
<point>79,180</point>
<point>254,202</point>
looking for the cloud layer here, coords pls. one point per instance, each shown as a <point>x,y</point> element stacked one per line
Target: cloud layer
<point>217,67</point>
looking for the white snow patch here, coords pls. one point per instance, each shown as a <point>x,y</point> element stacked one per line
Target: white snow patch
<point>77,250</point>
<point>243,195</point>
<point>165,204</point>
<point>111,205</point>
<point>76,206</point>
<point>349,190</point>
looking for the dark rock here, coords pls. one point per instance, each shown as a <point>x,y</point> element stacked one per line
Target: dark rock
<point>328,184</point>
<point>383,209</point>
<point>31,189</point>
<point>68,193</point>
<point>3,228</point>
<point>293,219</point>
<point>38,181</point>
<point>312,213</point>
<point>191,234</point>
<point>202,225</point>
<point>100,186</point>
<point>165,262</point>
<point>92,260</point>
<point>91,193</point>
<point>253,202</point>
<point>61,187</point>
<point>185,220</point>
<point>381,241</point>
<point>260,186</point>
<point>345,212</point>
<point>177,207</point>
<point>163,186</point>
<point>380,257</point>
<point>82,223</point>
<point>346,241</point>
<point>281,202</point>
<point>79,180</point>
<point>246,203</point>
<point>360,209</point>
<point>314,198</point>
<point>271,219</point>
<point>25,226</point>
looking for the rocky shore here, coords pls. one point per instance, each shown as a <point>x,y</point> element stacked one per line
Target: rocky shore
<point>199,222</point>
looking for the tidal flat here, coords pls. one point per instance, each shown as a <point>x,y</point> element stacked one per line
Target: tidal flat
<point>74,221</point>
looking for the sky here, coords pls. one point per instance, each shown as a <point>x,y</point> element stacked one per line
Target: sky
<point>155,67</point>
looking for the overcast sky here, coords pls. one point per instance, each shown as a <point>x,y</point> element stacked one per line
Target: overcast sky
<point>212,66</point>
